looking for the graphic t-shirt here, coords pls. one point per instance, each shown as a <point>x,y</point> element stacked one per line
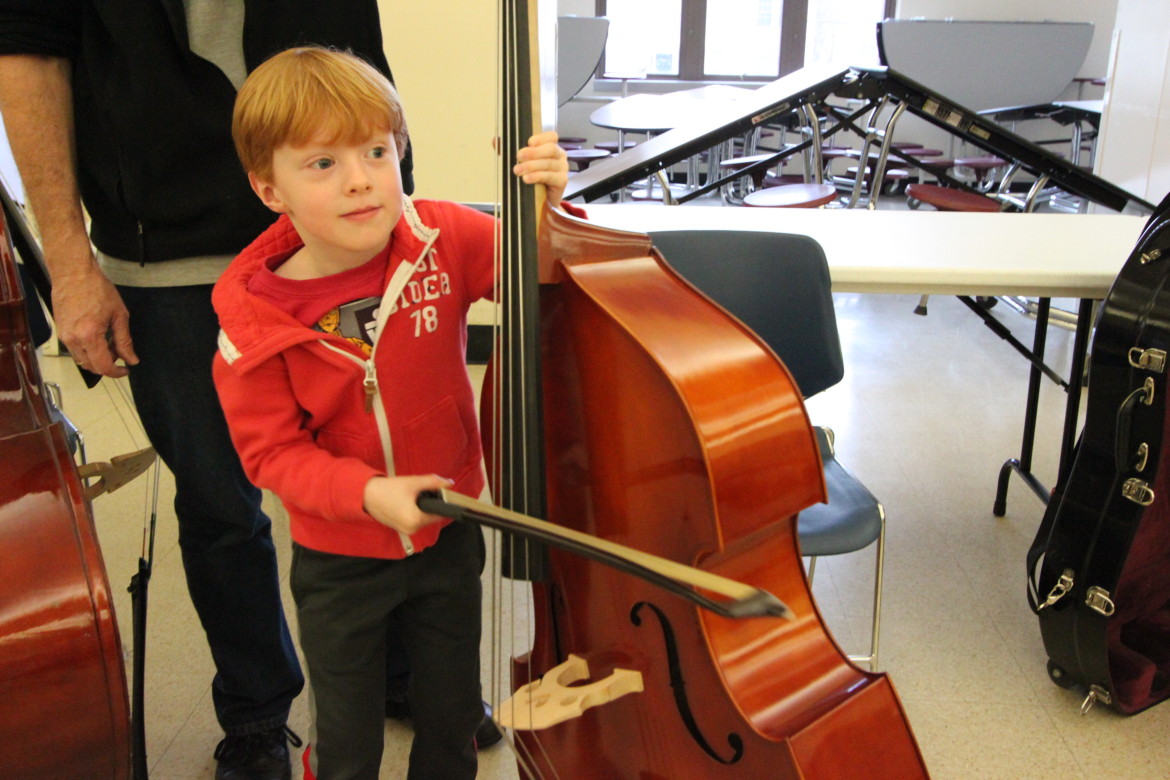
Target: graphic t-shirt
<point>355,321</point>
<point>345,303</point>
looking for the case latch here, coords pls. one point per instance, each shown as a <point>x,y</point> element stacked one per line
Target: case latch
<point>1096,693</point>
<point>1062,586</point>
<point>1098,600</point>
<point>1148,359</point>
<point>1138,491</point>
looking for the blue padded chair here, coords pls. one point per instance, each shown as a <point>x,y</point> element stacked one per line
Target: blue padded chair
<point>778,285</point>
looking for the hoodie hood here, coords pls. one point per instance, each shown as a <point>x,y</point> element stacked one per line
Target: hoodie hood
<point>252,329</point>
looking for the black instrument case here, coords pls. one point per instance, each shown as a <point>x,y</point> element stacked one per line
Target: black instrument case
<point>1099,568</point>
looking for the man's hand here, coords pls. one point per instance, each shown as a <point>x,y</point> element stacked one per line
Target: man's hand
<point>92,321</point>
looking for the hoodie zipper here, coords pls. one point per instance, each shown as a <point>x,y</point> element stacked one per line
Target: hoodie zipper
<point>373,396</point>
<point>373,403</point>
<point>371,385</point>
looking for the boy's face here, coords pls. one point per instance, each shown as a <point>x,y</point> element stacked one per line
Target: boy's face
<point>344,199</point>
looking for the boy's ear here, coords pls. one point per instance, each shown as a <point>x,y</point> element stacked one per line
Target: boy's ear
<point>267,193</point>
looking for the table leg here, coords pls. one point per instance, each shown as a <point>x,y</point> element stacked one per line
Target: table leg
<point>1023,464</point>
<point>621,147</point>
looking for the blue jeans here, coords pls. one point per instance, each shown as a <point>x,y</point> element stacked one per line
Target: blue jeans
<point>226,540</point>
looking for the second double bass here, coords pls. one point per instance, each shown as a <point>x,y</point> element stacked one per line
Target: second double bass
<point>64,711</point>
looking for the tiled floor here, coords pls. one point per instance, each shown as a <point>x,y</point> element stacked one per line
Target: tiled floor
<point>929,409</point>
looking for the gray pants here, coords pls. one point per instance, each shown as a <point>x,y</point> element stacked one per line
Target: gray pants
<point>344,605</point>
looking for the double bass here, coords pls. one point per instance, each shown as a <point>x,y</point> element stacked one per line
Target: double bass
<point>64,710</point>
<point>1099,566</point>
<point>624,404</point>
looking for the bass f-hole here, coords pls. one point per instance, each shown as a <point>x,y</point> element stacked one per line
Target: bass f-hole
<point>679,687</point>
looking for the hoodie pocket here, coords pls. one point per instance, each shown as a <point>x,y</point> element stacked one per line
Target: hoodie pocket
<point>435,442</point>
<point>349,444</point>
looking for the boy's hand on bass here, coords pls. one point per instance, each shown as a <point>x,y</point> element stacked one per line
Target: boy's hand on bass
<point>543,161</point>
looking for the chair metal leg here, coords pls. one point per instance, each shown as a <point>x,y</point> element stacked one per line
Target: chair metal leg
<point>871,660</point>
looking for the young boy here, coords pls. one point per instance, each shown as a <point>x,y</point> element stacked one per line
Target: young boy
<point>341,372</point>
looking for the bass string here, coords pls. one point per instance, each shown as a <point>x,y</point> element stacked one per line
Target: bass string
<point>511,613</point>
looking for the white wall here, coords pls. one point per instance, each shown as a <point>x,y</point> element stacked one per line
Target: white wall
<point>1134,148</point>
<point>444,60</point>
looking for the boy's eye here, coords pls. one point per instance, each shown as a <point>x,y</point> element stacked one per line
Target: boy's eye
<point>378,152</point>
<point>322,164</point>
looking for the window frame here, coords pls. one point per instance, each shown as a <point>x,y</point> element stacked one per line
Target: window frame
<point>692,40</point>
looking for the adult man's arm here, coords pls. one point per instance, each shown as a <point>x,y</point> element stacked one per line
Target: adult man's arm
<point>36,103</point>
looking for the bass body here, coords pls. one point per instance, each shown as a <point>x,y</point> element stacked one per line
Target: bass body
<point>671,428</point>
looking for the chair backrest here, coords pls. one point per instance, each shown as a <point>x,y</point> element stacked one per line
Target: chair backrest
<point>775,283</point>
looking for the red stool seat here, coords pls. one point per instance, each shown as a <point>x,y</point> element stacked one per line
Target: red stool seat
<point>891,174</point>
<point>920,151</point>
<point>936,163</point>
<point>583,157</point>
<point>739,163</point>
<point>982,166</point>
<point>951,199</point>
<point>784,178</point>
<point>612,146</point>
<point>936,166</point>
<point>792,196</point>
<point>984,163</point>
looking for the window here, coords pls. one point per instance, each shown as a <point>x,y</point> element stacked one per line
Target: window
<point>743,38</point>
<point>737,39</point>
<point>644,37</point>
<point>843,32</point>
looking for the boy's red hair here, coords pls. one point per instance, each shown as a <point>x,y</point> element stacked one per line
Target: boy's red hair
<point>304,93</point>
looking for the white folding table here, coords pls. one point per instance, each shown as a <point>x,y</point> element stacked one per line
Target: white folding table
<point>1045,256</point>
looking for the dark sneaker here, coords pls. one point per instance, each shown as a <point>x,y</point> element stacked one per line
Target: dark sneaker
<point>261,756</point>
<point>488,732</point>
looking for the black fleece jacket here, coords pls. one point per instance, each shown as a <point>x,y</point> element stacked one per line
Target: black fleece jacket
<point>156,166</point>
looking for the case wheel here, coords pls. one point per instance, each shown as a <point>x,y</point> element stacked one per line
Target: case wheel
<point>1059,675</point>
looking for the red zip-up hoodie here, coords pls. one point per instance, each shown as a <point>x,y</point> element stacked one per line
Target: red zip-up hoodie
<point>313,419</point>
